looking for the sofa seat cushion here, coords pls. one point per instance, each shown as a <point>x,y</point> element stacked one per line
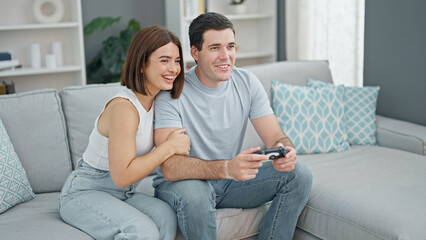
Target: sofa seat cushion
<point>369,192</point>
<point>37,219</point>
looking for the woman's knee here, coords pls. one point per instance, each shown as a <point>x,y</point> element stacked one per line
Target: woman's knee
<point>137,228</point>
<point>166,217</point>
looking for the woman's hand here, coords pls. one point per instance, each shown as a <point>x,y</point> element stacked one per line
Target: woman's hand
<point>179,141</point>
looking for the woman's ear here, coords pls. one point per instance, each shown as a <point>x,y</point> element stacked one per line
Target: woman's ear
<point>141,70</point>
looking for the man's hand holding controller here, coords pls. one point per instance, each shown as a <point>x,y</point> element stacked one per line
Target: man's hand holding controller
<point>286,163</point>
<point>245,165</point>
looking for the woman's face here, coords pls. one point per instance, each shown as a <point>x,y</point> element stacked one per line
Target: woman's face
<point>162,68</point>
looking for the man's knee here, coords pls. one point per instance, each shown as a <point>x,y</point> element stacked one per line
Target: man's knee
<point>195,193</point>
<point>303,176</point>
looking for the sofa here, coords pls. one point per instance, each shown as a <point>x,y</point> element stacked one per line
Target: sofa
<point>368,192</point>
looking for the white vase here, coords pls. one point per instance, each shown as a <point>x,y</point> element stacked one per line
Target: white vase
<point>35,57</point>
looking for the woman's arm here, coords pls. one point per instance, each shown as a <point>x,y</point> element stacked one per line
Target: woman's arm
<point>121,120</point>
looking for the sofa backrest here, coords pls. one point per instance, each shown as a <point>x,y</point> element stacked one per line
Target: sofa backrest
<point>82,105</point>
<point>290,72</point>
<point>36,127</point>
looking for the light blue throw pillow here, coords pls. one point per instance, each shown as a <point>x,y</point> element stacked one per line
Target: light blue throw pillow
<point>360,112</point>
<point>312,118</point>
<point>14,185</point>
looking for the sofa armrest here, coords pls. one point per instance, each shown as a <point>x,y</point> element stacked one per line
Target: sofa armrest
<point>401,135</point>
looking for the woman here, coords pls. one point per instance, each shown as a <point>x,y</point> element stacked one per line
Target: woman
<point>99,196</point>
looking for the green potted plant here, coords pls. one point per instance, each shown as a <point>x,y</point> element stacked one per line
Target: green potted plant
<point>107,65</point>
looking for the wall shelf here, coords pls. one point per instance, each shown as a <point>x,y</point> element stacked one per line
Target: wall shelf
<point>19,29</point>
<point>37,26</point>
<point>36,71</point>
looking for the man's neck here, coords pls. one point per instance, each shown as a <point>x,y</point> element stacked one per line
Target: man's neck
<point>205,81</point>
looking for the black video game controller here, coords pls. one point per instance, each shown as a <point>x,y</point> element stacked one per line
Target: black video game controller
<point>273,153</point>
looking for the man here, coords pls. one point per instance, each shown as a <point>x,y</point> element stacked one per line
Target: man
<point>214,107</point>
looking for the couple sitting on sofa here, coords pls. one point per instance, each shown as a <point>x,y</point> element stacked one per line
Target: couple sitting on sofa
<point>211,111</point>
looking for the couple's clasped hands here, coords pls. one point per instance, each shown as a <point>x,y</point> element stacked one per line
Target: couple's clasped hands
<point>245,165</point>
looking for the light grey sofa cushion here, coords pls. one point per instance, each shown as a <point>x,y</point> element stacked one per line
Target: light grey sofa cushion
<point>38,219</point>
<point>402,135</point>
<point>35,124</point>
<point>369,192</point>
<point>82,105</point>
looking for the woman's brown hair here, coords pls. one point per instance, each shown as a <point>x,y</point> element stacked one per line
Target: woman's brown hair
<point>143,44</point>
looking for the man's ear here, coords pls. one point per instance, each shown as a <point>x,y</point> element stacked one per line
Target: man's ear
<point>194,53</point>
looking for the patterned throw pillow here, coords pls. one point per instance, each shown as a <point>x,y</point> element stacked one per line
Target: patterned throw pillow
<point>14,185</point>
<point>360,112</point>
<point>312,118</point>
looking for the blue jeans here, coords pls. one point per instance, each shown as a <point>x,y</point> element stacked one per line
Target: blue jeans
<point>196,201</point>
<point>91,202</point>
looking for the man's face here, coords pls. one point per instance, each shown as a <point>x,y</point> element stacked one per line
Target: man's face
<point>216,58</point>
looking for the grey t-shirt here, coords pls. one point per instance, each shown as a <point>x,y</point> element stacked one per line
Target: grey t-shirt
<point>215,118</point>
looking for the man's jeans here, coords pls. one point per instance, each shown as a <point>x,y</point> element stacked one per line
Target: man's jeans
<point>196,201</point>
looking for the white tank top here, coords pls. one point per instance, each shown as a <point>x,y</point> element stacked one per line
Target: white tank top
<point>96,154</point>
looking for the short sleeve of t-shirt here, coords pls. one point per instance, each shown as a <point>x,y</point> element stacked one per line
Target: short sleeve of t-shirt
<point>260,106</point>
<point>166,111</point>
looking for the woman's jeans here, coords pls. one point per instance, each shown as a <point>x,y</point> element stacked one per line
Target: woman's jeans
<point>196,201</point>
<point>91,202</point>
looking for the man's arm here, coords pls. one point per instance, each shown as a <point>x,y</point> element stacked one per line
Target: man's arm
<point>176,168</point>
<point>271,134</point>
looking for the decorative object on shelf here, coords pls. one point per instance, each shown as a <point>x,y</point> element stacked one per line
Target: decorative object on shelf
<point>6,61</point>
<point>5,56</point>
<point>57,51</point>
<point>2,89</point>
<point>7,88</point>
<point>108,64</point>
<point>48,11</point>
<point>35,58</point>
<point>50,61</point>
<point>238,7</point>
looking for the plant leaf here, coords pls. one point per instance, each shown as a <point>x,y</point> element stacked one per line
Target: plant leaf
<point>99,23</point>
<point>126,37</point>
<point>113,55</point>
<point>134,25</point>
